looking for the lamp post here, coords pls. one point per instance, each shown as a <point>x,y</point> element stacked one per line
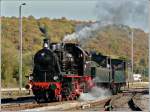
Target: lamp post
<point>20,56</point>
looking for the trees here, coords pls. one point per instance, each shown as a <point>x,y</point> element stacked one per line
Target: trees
<point>32,41</point>
<point>114,36</point>
<point>9,63</point>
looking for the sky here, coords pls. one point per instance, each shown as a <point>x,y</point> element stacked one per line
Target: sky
<point>72,9</point>
<point>133,13</point>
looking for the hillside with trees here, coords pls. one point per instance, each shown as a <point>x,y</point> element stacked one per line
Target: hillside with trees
<point>32,42</point>
<point>112,40</point>
<point>115,41</point>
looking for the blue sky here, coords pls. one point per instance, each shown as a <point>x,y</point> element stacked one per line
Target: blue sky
<point>133,13</point>
<point>72,9</point>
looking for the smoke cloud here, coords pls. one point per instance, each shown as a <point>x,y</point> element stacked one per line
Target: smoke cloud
<point>133,13</point>
<point>85,32</point>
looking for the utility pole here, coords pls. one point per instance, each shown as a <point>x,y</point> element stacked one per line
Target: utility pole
<point>149,41</point>
<point>20,56</point>
<point>131,35</point>
<point>132,51</point>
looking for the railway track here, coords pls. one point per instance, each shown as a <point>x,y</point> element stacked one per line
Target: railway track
<point>92,104</point>
<point>32,106</point>
<point>126,101</point>
<point>111,103</point>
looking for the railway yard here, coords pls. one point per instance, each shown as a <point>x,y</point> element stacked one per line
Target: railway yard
<point>75,56</point>
<point>132,99</point>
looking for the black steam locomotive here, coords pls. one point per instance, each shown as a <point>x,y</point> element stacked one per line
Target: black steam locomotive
<point>59,72</point>
<point>62,71</point>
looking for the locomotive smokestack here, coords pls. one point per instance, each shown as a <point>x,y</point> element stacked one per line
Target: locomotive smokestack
<point>46,43</point>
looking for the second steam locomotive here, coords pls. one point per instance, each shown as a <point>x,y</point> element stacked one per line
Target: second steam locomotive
<point>62,71</point>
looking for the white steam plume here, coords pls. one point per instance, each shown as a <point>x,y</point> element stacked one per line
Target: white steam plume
<point>133,13</point>
<point>95,93</point>
<point>85,32</point>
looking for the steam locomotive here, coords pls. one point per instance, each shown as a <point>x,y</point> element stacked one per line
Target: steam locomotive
<point>62,71</point>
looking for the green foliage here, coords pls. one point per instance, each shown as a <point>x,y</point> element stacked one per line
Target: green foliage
<point>112,40</point>
<point>32,41</point>
<point>115,41</point>
<point>9,62</point>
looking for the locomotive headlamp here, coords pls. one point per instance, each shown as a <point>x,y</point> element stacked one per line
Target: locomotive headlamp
<point>30,77</point>
<point>55,77</point>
